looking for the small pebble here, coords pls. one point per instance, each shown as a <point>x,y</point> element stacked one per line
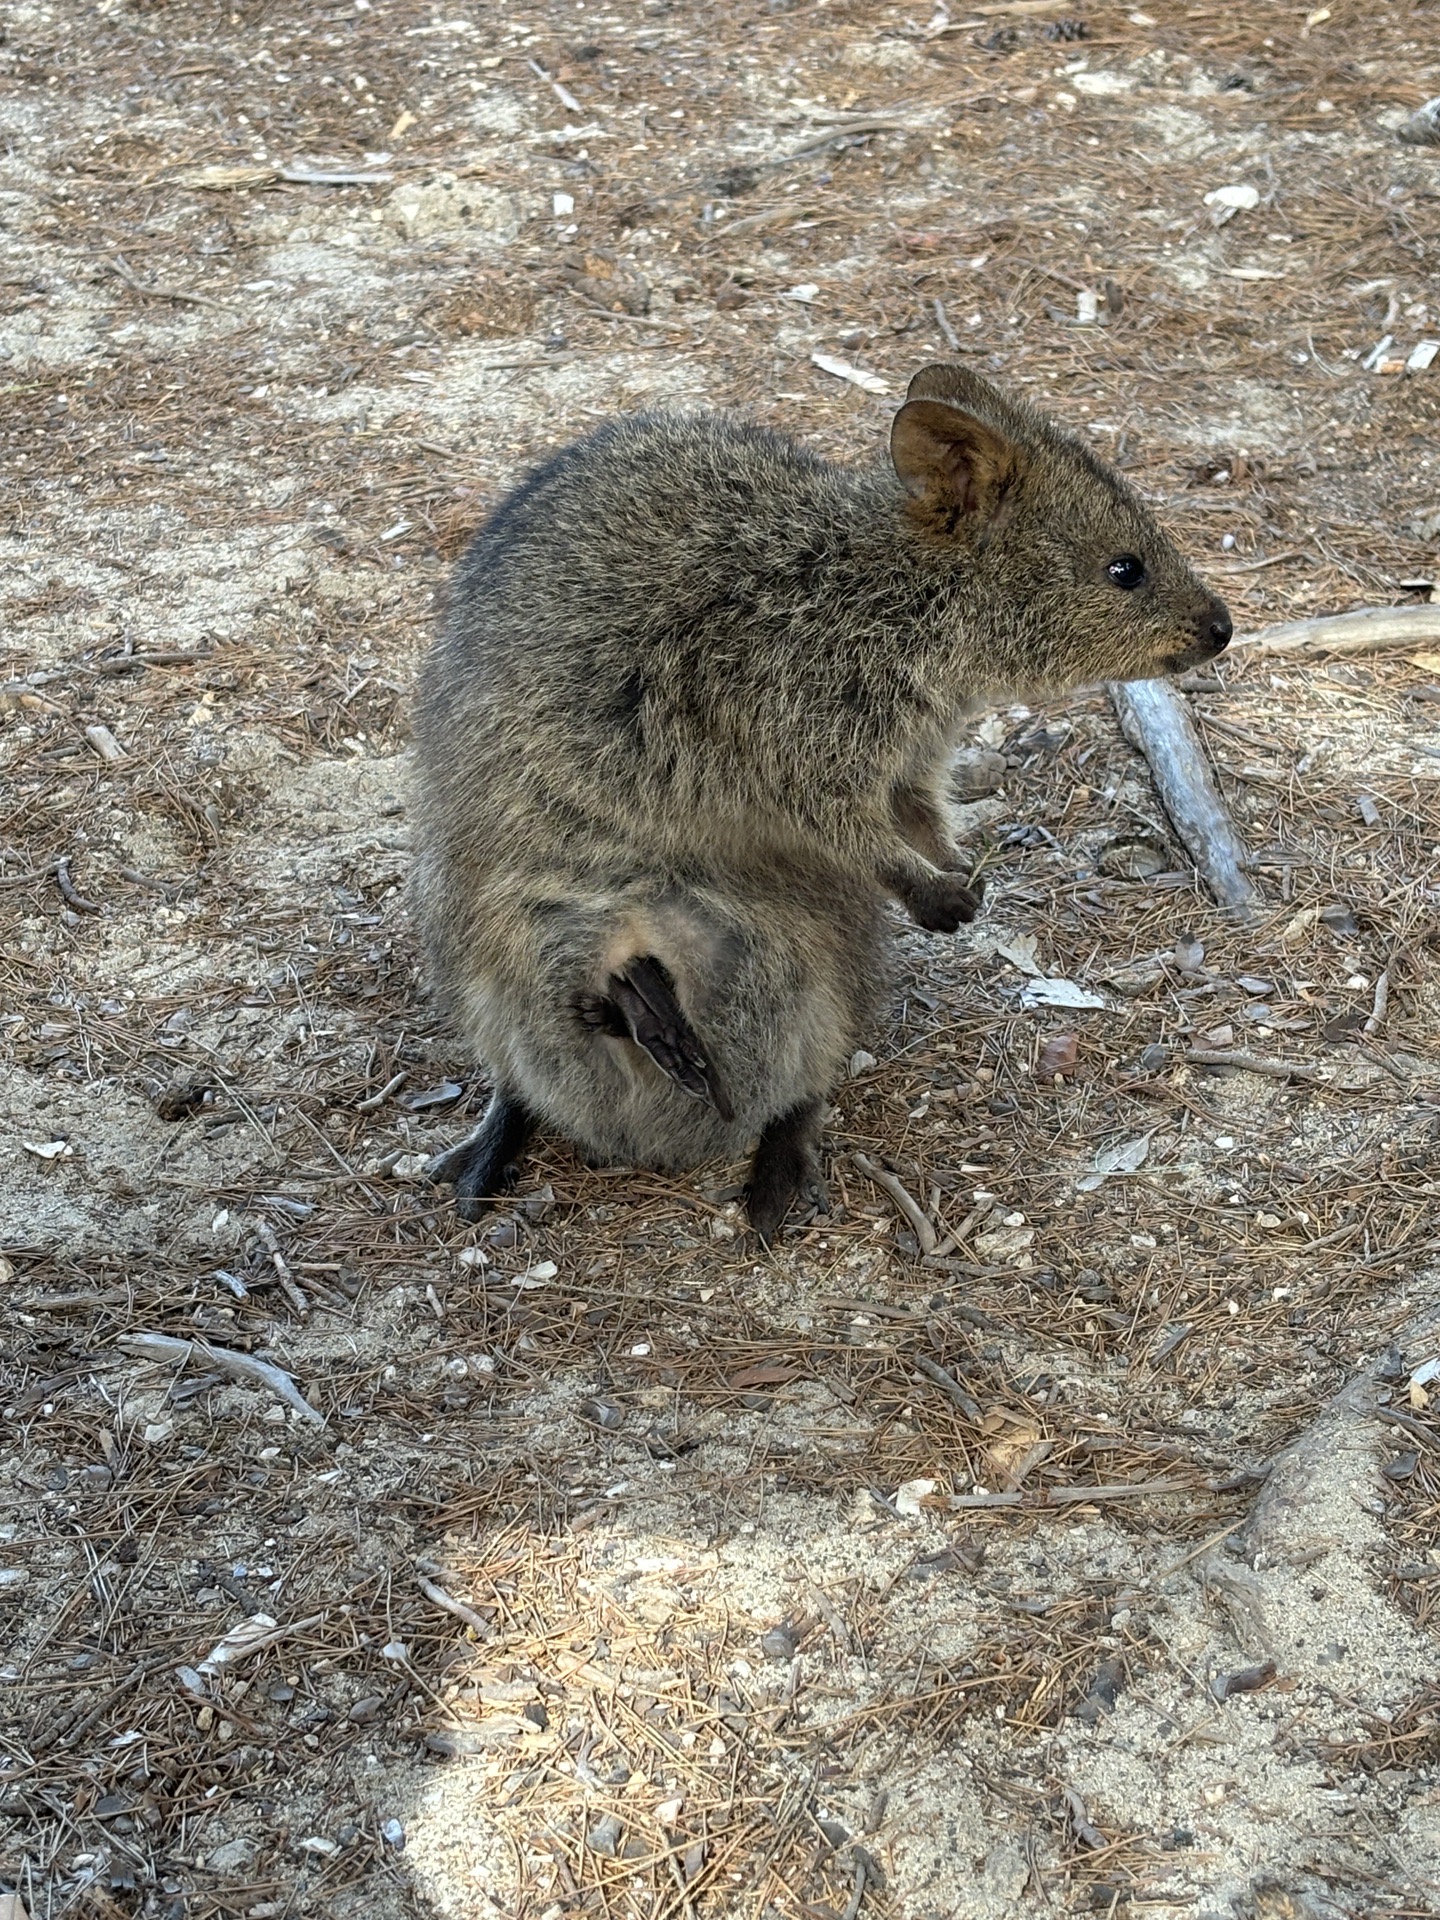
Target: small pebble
<point>779,1643</point>
<point>539,1205</point>
<point>604,1837</point>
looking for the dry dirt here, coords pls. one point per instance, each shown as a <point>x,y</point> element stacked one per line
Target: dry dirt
<point>1090,1567</point>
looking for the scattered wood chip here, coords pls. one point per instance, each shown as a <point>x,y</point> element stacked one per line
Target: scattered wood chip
<point>105,743</point>
<point>857,376</point>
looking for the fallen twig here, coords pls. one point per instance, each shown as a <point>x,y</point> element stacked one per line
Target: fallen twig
<point>1069,1496</point>
<point>392,1085</point>
<point>1214,1540</point>
<point>1156,721</point>
<point>1381,1004</point>
<point>30,876</point>
<point>328,177</point>
<point>1253,1063</point>
<point>72,1736</point>
<point>947,332</point>
<point>630,319</point>
<point>452,1605</point>
<point>947,1383</point>
<point>562,94</point>
<point>1270,560</point>
<point>244,1366</point>
<point>907,1203</point>
<point>1367,630</point>
<point>180,294</point>
<point>252,1636</point>
<point>73,896</point>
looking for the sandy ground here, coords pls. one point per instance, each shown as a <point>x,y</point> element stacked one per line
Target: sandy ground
<point>1091,1567</point>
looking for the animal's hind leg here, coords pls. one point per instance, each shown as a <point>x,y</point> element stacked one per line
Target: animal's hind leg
<point>785,1161</point>
<point>477,1168</point>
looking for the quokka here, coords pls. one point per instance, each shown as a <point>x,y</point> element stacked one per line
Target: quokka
<point>688,725</point>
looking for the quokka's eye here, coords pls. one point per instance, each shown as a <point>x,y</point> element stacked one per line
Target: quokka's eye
<point>1127,571</point>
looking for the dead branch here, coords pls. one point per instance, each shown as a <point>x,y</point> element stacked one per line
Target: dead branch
<point>1157,723</point>
<point>244,1366</point>
<point>907,1203</point>
<point>1252,1063</point>
<point>1367,630</point>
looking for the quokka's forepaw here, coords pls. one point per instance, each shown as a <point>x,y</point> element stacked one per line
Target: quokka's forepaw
<point>945,903</point>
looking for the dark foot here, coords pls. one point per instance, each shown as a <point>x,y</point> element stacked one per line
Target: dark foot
<point>641,1005</point>
<point>944,903</point>
<point>601,1015</point>
<point>785,1161</point>
<point>479,1167</point>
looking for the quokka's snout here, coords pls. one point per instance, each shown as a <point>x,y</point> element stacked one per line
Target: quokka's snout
<point>697,681</point>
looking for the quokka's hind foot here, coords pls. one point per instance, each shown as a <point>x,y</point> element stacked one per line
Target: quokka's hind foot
<point>479,1168</point>
<point>786,1160</point>
<point>639,1004</point>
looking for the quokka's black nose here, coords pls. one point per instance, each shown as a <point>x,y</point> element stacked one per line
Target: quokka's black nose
<point>1218,630</point>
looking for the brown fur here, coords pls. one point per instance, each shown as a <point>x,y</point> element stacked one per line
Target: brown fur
<point>695,700</point>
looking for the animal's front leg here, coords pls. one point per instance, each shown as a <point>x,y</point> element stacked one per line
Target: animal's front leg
<point>937,900</point>
<point>924,822</point>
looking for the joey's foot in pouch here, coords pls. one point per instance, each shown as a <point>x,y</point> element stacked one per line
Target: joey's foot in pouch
<point>601,1015</point>
<point>944,903</point>
<point>640,1004</point>
<point>480,1167</point>
<point>785,1162</point>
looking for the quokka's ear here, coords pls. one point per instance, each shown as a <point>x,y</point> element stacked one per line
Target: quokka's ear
<point>961,386</point>
<point>952,460</point>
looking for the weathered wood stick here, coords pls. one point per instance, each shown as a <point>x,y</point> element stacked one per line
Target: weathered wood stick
<point>242,1366</point>
<point>1157,723</point>
<point>924,1228</point>
<point>1065,1496</point>
<point>1367,630</point>
<point>1249,1062</point>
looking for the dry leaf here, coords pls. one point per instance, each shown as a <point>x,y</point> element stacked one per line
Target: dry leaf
<point>1125,1156</point>
<point>1296,929</point>
<point>768,1374</point>
<point>1014,1452</point>
<point>1020,951</point>
<point>1058,1055</point>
